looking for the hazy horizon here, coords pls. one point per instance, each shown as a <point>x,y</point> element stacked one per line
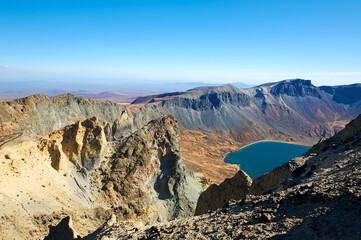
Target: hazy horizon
<point>16,89</point>
<point>213,42</point>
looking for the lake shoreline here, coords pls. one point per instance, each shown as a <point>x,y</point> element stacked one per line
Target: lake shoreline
<point>262,158</point>
<point>294,143</point>
<point>265,140</point>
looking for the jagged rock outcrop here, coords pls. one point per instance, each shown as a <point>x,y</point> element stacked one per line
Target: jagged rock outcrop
<point>76,172</point>
<point>216,197</point>
<point>145,176</point>
<point>123,125</point>
<point>62,231</point>
<point>83,143</point>
<point>46,179</point>
<point>322,203</point>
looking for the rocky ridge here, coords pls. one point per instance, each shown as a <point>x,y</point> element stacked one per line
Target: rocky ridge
<point>290,110</point>
<point>280,110</point>
<point>145,176</point>
<point>319,200</point>
<point>41,115</point>
<point>77,172</point>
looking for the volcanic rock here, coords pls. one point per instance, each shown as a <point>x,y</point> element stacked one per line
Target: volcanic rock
<point>146,177</point>
<point>291,110</point>
<point>75,172</point>
<point>83,143</point>
<point>62,231</point>
<point>216,197</point>
<point>321,204</point>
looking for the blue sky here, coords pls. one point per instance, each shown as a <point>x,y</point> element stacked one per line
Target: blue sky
<point>253,41</point>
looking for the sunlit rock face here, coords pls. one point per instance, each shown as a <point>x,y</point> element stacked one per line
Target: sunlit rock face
<point>77,172</point>
<point>146,177</point>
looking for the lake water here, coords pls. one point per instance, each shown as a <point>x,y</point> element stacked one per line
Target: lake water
<point>262,157</point>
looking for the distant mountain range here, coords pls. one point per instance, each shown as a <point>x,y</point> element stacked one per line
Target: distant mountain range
<point>119,91</point>
<point>213,120</point>
<point>292,110</point>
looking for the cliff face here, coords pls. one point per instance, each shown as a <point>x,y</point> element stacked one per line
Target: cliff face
<point>76,172</point>
<point>318,199</point>
<point>209,101</point>
<point>83,144</point>
<point>292,110</point>
<point>145,176</point>
<point>296,88</point>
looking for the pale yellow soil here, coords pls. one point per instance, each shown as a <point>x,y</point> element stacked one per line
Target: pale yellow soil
<point>30,189</point>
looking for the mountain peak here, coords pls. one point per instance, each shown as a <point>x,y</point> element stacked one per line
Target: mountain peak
<point>228,87</point>
<point>222,88</point>
<point>65,96</point>
<point>32,99</point>
<point>296,81</point>
<point>295,87</point>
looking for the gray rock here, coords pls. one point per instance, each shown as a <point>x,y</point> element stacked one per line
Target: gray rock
<point>324,205</point>
<point>146,177</point>
<point>290,109</point>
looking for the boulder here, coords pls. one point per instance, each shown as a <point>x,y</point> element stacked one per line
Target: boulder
<point>62,231</point>
<point>218,196</point>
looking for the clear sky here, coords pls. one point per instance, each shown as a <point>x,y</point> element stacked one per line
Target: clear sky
<point>250,41</point>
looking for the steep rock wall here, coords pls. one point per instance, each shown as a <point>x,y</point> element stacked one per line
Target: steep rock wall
<point>292,110</point>
<point>76,172</point>
<point>146,177</point>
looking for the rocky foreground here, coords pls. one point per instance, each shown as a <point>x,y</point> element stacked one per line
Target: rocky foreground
<point>321,199</point>
<point>89,171</point>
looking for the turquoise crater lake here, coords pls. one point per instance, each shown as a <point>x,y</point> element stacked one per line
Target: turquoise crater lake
<point>259,158</point>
